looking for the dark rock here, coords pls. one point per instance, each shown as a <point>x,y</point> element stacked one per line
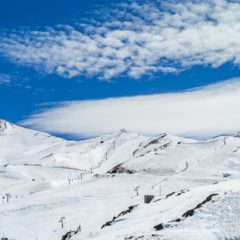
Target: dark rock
<point>170,194</point>
<point>130,209</point>
<point>158,227</point>
<point>70,234</point>
<point>120,169</point>
<point>191,211</point>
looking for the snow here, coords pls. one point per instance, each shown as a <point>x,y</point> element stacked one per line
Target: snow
<point>48,178</point>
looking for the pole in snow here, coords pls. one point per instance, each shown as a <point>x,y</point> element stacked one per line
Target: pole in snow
<point>8,196</point>
<point>62,221</point>
<point>136,189</point>
<point>160,187</point>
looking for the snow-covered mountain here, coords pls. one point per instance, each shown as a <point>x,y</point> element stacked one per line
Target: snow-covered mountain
<point>97,187</point>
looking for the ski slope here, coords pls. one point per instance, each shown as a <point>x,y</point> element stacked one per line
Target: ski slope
<point>98,186</point>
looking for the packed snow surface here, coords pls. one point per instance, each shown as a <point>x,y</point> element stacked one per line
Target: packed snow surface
<point>53,189</point>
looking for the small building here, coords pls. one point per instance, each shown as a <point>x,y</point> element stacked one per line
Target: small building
<point>148,198</point>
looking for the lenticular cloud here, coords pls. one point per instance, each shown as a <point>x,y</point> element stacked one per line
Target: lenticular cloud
<point>133,40</point>
<point>204,112</point>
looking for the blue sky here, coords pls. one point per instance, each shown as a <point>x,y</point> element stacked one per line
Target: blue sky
<point>50,51</point>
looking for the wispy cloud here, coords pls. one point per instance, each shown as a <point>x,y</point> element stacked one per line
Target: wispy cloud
<point>5,79</point>
<point>14,79</point>
<point>133,40</point>
<point>201,112</point>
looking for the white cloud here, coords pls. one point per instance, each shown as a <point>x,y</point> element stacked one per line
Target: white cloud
<point>201,112</point>
<point>5,79</point>
<point>133,40</point>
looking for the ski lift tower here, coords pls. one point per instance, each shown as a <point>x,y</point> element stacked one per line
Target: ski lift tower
<point>160,187</point>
